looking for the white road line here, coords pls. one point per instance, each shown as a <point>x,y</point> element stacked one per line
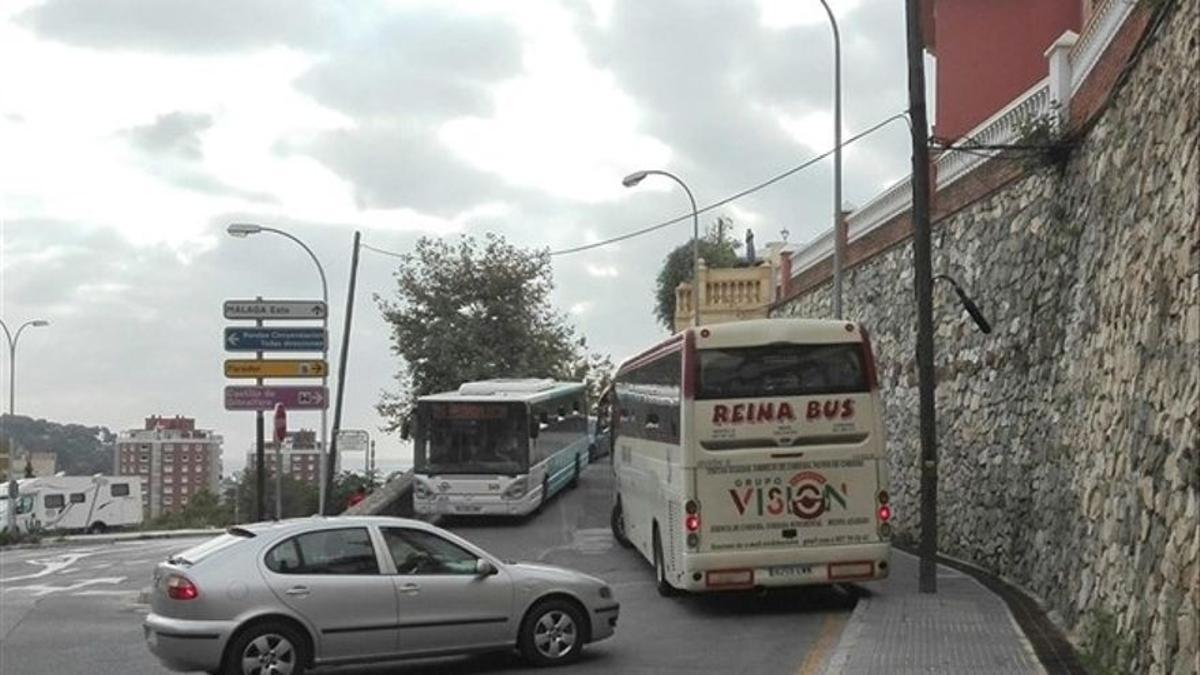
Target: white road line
<point>49,566</point>
<point>39,590</point>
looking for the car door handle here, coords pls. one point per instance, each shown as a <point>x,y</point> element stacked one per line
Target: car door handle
<point>297,591</point>
<point>410,589</point>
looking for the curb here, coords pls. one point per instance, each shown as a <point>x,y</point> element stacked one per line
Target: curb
<point>845,645</point>
<point>112,538</point>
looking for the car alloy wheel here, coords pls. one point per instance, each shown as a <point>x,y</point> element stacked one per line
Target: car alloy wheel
<point>555,634</point>
<point>269,654</point>
<point>552,633</point>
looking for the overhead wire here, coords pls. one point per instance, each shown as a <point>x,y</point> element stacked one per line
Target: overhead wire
<point>737,195</point>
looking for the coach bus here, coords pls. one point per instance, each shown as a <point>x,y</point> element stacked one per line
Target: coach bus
<point>498,447</point>
<point>751,454</point>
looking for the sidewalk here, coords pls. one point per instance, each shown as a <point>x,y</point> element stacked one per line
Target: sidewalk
<point>963,628</point>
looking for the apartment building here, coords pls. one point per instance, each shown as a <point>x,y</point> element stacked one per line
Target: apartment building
<point>174,460</point>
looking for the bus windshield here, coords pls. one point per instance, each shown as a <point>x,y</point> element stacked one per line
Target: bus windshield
<point>471,438</point>
<point>781,370</point>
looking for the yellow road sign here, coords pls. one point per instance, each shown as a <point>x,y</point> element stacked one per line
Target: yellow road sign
<point>255,368</point>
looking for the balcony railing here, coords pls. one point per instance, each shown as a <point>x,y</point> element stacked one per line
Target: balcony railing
<point>1107,18</point>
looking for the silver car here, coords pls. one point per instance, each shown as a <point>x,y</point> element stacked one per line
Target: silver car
<point>282,597</point>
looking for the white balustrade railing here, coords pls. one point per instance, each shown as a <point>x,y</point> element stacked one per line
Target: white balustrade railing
<point>1107,18</point>
<point>1004,127</point>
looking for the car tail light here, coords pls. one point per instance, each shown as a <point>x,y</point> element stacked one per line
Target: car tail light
<point>885,513</point>
<point>181,588</point>
<point>729,578</point>
<point>868,356</point>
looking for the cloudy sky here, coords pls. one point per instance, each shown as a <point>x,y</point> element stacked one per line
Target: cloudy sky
<point>133,131</point>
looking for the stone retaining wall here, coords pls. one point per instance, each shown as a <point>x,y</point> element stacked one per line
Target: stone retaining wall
<point>1070,459</point>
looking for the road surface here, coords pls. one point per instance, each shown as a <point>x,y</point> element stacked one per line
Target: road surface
<point>74,609</point>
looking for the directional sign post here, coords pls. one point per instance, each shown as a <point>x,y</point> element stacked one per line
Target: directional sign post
<point>252,339</point>
<point>266,398</point>
<point>260,368</point>
<point>276,310</point>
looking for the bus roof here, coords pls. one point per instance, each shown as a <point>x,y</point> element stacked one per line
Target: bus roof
<point>755,332</point>
<point>505,390</point>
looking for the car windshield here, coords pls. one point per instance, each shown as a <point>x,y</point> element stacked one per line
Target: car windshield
<point>472,438</point>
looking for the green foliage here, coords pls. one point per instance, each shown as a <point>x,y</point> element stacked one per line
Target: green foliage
<point>203,510</point>
<point>677,268</point>
<point>8,538</point>
<point>299,498</point>
<point>346,484</point>
<point>81,450</point>
<point>474,310</point>
<point>1107,651</point>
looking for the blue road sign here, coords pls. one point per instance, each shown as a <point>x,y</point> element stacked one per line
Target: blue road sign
<point>274,339</point>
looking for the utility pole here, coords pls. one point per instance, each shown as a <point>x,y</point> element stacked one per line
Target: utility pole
<point>260,477</point>
<point>923,285</point>
<point>341,387</point>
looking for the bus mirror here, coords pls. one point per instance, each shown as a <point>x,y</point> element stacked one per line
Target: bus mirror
<point>406,429</point>
<point>534,428</point>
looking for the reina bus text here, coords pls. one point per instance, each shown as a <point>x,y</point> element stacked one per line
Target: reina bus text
<point>754,413</point>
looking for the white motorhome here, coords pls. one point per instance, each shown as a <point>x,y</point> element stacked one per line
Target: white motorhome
<point>88,503</point>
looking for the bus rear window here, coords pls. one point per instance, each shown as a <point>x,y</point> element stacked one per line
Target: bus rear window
<point>781,370</point>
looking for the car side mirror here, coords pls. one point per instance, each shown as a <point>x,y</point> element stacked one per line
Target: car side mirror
<point>484,568</point>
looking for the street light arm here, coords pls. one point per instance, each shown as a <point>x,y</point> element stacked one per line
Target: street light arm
<point>635,178</point>
<point>309,251</point>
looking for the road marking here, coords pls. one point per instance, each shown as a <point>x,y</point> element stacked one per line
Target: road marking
<point>831,628</point>
<point>39,590</point>
<point>49,566</point>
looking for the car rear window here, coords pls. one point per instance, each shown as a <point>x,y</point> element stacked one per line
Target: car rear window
<point>201,551</point>
<point>781,370</point>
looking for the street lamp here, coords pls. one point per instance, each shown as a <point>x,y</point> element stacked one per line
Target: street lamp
<point>242,230</point>
<point>839,244</point>
<point>637,177</point>
<point>12,389</point>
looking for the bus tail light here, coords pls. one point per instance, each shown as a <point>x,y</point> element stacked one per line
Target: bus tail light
<point>729,578</point>
<point>692,522</point>
<point>885,513</point>
<point>181,588</point>
<point>868,356</point>
<point>844,571</point>
<point>882,497</point>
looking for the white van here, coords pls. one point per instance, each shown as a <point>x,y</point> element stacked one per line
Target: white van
<point>88,503</point>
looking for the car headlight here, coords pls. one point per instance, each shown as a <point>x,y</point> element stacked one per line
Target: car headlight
<point>516,489</point>
<point>606,593</point>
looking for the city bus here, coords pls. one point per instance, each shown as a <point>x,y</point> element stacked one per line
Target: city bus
<point>498,447</point>
<point>751,454</point>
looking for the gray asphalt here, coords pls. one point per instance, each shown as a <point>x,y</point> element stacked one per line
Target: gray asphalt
<point>75,609</point>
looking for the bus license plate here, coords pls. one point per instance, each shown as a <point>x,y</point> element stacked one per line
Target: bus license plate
<point>467,508</point>
<point>789,571</point>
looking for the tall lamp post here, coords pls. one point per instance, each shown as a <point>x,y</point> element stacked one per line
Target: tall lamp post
<point>839,239</point>
<point>247,229</point>
<point>12,393</point>
<point>637,177</point>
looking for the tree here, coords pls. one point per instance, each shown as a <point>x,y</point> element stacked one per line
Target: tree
<point>79,450</point>
<point>203,510</point>
<point>299,498</point>
<point>29,466</point>
<point>677,268</point>
<point>474,310</point>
